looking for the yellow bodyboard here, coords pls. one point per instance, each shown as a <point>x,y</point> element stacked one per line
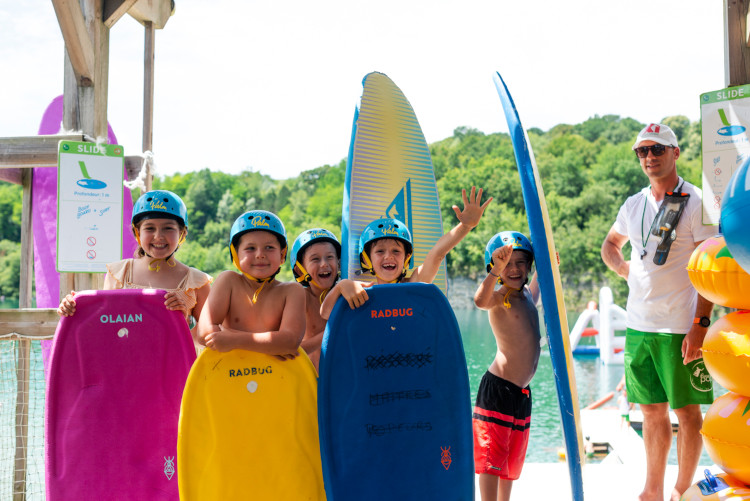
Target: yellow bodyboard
<point>249,429</point>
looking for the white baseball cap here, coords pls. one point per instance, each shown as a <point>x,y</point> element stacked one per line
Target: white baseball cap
<point>658,133</point>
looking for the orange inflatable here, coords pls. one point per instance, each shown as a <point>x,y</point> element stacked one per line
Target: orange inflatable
<point>726,352</point>
<point>726,435</point>
<point>717,276</point>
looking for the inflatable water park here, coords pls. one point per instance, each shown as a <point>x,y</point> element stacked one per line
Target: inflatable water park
<point>388,414</point>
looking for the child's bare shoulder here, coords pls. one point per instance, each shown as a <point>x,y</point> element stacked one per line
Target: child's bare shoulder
<point>291,289</point>
<point>227,279</point>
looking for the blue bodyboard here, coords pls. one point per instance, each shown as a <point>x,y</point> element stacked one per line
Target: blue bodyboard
<point>394,407</point>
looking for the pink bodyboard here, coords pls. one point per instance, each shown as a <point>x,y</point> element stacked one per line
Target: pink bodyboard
<point>117,371</point>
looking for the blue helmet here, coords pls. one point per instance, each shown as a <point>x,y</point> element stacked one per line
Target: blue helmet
<point>306,239</point>
<point>384,228</point>
<point>519,241</point>
<point>257,220</point>
<point>159,204</point>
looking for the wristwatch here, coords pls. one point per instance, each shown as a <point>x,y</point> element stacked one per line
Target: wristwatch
<point>704,321</point>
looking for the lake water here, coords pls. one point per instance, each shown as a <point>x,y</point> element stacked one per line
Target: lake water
<point>593,381</point>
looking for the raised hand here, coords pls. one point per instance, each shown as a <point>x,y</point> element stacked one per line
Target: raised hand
<point>473,207</point>
<point>501,257</point>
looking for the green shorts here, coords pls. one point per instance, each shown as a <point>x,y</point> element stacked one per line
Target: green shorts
<point>654,372</point>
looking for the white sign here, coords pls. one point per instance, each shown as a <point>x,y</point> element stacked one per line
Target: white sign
<point>725,118</point>
<point>89,206</point>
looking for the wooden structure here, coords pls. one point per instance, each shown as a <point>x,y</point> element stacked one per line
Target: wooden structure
<point>85,26</point>
<point>736,43</point>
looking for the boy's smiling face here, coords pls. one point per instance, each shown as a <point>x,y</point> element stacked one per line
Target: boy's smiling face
<point>260,254</point>
<point>517,271</point>
<point>322,263</point>
<point>388,256</point>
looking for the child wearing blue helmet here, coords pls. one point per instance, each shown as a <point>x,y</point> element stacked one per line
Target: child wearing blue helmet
<point>386,250</point>
<point>160,224</point>
<point>251,310</point>
<point>502,413</point>
<point>315,261</point>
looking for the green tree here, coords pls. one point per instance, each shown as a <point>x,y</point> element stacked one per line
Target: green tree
<point>10,211</point>
<point>10,268</point>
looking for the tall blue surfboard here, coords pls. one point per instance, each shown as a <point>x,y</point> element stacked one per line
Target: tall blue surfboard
<point>389,174</point>
<point>550,286</point>
<point>394,409</point>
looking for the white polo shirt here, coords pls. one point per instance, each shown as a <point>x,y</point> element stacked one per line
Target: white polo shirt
<point>661,298</point>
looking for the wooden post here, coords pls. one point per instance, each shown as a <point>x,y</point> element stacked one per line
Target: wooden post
<point>23,348</point>
<point>148,93</point>
<point>736,40</point>
<point>85,109</point>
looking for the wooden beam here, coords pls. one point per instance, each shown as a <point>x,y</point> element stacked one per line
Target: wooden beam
<point>31,322</point>
<point>32,151</point>
<point>737,42</point>
<point>19,153</point>
<point>76,37</point>
<point>148,92</point>
<point>115,9</point>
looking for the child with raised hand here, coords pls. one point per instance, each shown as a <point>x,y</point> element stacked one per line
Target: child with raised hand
<point>160,225</point>
<point>315,261</point>
<point>502,414</point>
<point>251,310</point>
<point>386,251</point>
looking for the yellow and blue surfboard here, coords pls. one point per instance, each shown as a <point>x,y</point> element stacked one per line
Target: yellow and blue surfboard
<point>550,285</point>
<point>389,173</point>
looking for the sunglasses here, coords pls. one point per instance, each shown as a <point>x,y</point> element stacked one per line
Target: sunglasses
<point>657,149</point>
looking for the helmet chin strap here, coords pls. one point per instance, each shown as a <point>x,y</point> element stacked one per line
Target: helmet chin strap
<point>500,282</point>
<point>262,281</point>
<point>306,278</point>
<point>506,303</point>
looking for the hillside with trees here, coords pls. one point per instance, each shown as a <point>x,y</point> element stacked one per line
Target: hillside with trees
<point>587,171</point>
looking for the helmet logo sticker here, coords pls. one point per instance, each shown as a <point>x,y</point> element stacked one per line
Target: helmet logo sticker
<point>259,221</point>
<point>158,205</point>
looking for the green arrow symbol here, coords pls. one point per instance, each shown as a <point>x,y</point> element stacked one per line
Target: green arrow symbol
<point>85,173</point>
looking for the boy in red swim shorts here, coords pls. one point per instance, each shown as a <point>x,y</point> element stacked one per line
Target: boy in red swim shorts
<point>502,414</point>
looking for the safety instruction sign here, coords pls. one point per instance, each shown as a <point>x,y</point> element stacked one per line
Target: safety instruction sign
<point>725,117</point>
<point>89,206</point>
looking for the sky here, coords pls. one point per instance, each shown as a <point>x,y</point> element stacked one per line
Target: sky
<point>272,86</point>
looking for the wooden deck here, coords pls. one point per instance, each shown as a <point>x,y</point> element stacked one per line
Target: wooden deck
<point>613,482</point>
<point>620,476</point>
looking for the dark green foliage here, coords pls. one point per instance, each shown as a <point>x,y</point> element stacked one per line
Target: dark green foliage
<point>10,269</point>
<point>10,211</point>
<point>587,171</point>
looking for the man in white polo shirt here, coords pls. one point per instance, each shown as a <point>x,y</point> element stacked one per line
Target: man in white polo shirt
<point>667,319</point>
